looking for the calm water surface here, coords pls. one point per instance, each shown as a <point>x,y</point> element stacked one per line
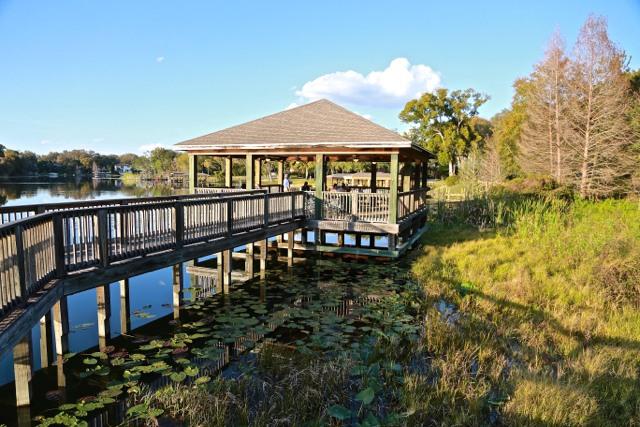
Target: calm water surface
<point>151,296</point>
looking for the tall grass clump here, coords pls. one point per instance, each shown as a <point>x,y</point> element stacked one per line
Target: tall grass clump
<point>547,299</point>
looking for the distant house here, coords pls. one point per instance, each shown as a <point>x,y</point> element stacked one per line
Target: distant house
<point>123,169</point>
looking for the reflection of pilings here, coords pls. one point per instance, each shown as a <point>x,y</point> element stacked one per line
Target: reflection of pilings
<point>24,416</point>
<point>46,346</point>
<point>248,261</point>
<point>125,307</point>
<point>104,313</point>
<point>177,289</point>
<point>22,365</point>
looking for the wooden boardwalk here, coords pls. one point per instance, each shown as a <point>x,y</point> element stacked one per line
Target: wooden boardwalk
<point>64,250</point>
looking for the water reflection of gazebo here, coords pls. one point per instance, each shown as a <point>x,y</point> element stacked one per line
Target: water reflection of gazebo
<point>371,204</point>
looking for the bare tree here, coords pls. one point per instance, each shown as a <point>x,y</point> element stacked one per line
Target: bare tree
<point>597,112</point>
<point>544,130</point>
<point>491,165</point>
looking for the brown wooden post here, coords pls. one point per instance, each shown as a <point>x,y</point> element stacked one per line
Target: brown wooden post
<point>227,266</point>
<point>280,171</point>
<point>22,368</point>
<point>20,261</point>
<point>46,345</point>
<point>220,270</point>
<point>393,189</point>
<point>374,177</point>
<point>290,243</point>
<point>125,306</point>
<point>177,289</point>
<point>103,236</point>
<point>104,314</point>
<point>250,184</point>
<point>61,326</point>
<point>193,173</point>
<point>263,256</point>
<point>319,184</point>
<point>58,241</point>
<point>178,225</point>
<point>257,171</point>
<point>228,172</point>
<point>248,261</point>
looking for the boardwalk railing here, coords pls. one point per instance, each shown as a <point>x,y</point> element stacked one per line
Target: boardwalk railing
<point>15,213</point>
<point>410,202</point>
<point>355,206</point>
<point>54,244</point>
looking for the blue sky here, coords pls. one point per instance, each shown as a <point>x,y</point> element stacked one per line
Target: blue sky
<point>124,76</point>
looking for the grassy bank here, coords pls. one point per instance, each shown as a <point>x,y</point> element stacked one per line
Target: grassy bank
<point>533,322</point>
<point>544,325</point>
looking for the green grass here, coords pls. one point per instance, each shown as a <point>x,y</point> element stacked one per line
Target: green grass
<point>533,322</point>
<point>547,314</point>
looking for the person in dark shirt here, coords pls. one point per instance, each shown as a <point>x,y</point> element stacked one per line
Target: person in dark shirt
<point>306,187</point>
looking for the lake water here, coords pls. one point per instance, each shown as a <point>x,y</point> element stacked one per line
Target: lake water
<point>252,311</point>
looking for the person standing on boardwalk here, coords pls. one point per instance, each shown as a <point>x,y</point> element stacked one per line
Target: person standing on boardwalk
<point>286,185</point>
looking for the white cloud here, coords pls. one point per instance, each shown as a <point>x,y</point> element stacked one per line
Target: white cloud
<point>150,147</point>
<point>45,142</point>
<point>389,88</point>
<point>160,59</point>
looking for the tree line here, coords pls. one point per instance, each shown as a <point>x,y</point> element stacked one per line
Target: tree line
<point>574,119</point>
<point>158,161</point>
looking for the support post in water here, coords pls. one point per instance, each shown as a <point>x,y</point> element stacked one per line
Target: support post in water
<point>22,367</point>
<point>46,347</point>
<point>263,257</point>
<point>249,259</point>
<point>104,313</point>
<point>61,326</point>
<point>219,271</point>
<point>177,289</point>
<point>125,307</point>
<point>226,265</point>
<point>290,243</point>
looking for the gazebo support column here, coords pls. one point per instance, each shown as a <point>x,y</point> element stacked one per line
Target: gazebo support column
<point>374,177</point>
<point>280,172</point>
<point>393,189</point>
<point>249,185</point>
<point>228,172</point>
<point>193,173</point>
<point>257,173</point>
<point>319,184</point>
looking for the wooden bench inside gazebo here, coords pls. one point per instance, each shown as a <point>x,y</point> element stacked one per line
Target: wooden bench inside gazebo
<point>360,220</point>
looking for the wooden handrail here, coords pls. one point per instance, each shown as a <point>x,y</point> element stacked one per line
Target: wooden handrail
<point>18,212</point>
<point>57,243</point>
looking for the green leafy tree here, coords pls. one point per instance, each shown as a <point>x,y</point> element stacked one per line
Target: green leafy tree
<point>442,123</point>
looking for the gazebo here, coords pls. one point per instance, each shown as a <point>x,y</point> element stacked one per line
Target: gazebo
<point>362,220</point>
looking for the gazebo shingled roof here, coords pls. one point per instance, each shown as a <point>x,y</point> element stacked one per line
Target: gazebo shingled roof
<point>319,124</point>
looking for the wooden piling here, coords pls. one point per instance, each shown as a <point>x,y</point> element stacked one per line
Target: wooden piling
<point>104,314</point>
<point>226,266</point>
<point>177,289</point>
<point>22,368</point>
<point>263,257</point>
<point>61,326</point>
<point>290,242</point>
<point>125,307</point>
<point>46,349</point>
<point>249,260</point>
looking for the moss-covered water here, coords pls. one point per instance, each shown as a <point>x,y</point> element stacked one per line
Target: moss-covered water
<point>318,309</point>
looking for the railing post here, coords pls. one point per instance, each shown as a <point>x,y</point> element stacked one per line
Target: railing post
<point>179,223</point>
<point>293,205</point>
<point>58,242</point>
<point>266,210</point>
<point>103,236</point>
<point>21,267</point>
<point>229,217</point>
<point>354,205</point>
